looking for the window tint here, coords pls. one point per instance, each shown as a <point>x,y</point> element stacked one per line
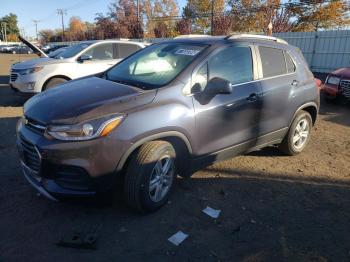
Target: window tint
<point>101,52</point>
<point>127,49</point>
<point>273,62</point>
<point>290,63</point>
<point>233,64</point>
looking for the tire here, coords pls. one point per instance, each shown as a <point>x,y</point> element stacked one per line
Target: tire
<point>54,82</point>
<point>298,135</point>
<point>142,170</point>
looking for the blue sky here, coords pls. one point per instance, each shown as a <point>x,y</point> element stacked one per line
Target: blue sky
<point>45,11</point>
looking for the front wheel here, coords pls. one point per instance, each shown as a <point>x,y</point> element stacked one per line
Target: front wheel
<point>54,82</point>
<point>298,135</point>
<point>150,176</point>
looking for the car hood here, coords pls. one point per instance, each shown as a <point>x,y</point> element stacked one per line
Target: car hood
<point>38,62</point>
<point>84,99</point>
<point>35,49</point>
<point>342,72</point>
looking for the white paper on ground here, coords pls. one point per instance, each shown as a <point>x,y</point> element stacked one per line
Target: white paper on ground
<point>211,212</point>
<point>177,238</point>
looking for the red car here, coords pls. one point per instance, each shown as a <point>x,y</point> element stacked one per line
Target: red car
<point>337,84</point>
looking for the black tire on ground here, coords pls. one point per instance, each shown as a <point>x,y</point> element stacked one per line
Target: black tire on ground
<point>141,171</point>
<point>287,146</point>
<point>54,82</point>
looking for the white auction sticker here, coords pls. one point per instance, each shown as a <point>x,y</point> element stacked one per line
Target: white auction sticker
<point>189,52</point>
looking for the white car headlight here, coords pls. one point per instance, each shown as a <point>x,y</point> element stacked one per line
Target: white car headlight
<point>30,70</point>
<point>333,80</point>
<point>87,130</point>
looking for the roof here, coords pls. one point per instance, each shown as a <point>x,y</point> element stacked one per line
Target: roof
<point>207,39</point>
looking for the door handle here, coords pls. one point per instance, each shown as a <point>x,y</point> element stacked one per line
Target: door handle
<point>295,83</point>
<point>252,97</point>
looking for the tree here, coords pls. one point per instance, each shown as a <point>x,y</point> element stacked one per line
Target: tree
<point>318,14</point>
<point>183,26</point>
<point>124,14</point>
<point>159,14</point>
<point>46,35</point>
<point>223,25</point>
<point>77,29</point>
<point>11,25</point>
<point>201,10</point>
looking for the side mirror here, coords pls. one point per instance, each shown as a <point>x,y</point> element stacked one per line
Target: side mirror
<point>84,58</point>
<point>218,85</point>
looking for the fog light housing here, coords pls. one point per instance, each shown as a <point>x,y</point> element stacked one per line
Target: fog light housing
<point>30,85</point>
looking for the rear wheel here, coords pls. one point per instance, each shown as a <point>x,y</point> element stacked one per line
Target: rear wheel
<point>150,176</point>
<point>298,135</point>
<point>54,82</point>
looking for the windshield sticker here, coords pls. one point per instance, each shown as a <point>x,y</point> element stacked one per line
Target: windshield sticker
<point>189,52</point>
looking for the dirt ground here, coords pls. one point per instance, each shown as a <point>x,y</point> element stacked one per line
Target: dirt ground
<point>274,207</point>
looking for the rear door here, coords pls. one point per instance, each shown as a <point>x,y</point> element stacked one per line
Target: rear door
<point>278,82</point>
<point>225,120</point>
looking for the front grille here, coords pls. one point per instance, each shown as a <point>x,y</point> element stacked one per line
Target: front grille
<point>345,86</point>
<point>13,77</point>
<point>35,126</point>
<point>30,155</point>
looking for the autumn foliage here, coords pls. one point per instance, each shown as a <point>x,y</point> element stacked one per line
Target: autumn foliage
<point>162,18</point>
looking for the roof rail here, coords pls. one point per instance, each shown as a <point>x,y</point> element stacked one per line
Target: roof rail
<point>262,37</point>
<point>190,36</point>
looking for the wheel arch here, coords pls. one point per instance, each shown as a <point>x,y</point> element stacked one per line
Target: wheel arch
<point>177,139</point>
<point>52,77</point>
<point>311,108</point>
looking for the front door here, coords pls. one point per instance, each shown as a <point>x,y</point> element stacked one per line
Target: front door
<point>103,56</point>
<point>226,120</point>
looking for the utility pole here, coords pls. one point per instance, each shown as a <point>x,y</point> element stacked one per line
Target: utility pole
<point>36,28</point>
<point>4,31</point>
<point>212,17</point>
<point>62,12</point>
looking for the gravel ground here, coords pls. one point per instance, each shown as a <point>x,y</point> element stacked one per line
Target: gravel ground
<point>274,207</point>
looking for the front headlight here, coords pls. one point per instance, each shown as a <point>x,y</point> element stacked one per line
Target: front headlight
<point>30,70</point>
<point>333,80</point>
<point>87,130</point>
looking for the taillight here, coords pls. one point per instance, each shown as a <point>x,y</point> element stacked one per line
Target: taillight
<point>318,83</point>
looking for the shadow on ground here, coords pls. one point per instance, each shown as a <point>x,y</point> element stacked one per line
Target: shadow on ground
<point>335,112</point>
<point>270,217</point>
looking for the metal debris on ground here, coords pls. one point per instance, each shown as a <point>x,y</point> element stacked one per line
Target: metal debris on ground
<point>211,212</point>
<point>79,240</point>
<point>177,238</point>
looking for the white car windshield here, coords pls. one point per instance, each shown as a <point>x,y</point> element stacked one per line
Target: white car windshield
<point>73,50</point>
<point>155,65</point>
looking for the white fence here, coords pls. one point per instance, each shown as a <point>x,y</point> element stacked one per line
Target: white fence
<point>325,51</point>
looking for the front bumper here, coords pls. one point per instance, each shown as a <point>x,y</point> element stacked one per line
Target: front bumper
<point>330,90</point>
<point>27,84</point>
<point>60,169</point>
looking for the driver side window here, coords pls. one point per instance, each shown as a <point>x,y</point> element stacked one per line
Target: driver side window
<point>101,52</point>
<point>233,63</point>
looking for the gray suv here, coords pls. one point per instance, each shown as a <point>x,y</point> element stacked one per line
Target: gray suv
<point>169,109</point>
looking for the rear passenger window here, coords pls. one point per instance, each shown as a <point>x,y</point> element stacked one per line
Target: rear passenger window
<point>272,60</point>
<point>233,64</point>
<point>290,63</point>
<point>127,49</point>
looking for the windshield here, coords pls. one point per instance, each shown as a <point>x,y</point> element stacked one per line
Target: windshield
<point>73,50</point>
<point>55,53</point>
<point>155,65</point>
